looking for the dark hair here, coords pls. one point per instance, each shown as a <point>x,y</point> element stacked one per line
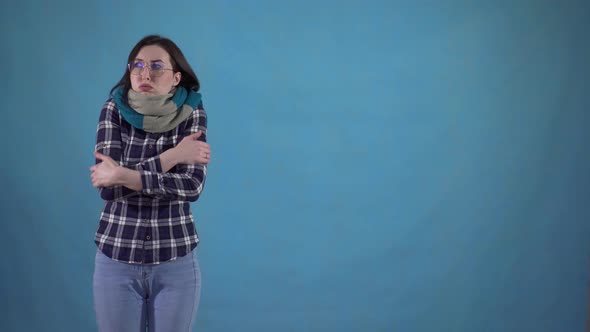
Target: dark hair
<point>188,78</point>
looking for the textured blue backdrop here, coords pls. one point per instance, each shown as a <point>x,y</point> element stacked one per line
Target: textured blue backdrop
<point>378,165</point>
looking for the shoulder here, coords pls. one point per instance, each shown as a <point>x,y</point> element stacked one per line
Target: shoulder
<point>110,110</point>
<point>199,111</point>
<point>110,105</point>
<point>196,121</point>
<point>194,99</point>
<point>199,116</point>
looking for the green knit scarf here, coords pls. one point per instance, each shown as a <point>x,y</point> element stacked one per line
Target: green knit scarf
<point>156,114</point>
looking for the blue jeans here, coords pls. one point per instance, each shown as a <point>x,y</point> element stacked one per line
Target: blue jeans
<point>131,297</point>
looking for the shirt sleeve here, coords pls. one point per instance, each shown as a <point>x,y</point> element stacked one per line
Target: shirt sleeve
<point>108,142</point>
<point>186,182</point>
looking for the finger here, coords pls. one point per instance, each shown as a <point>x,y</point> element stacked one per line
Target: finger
<point>203,145</point>
<point>195,135</point>
<point>100,156</point>
<point>105,158</point>
<point>202,152</point>
<point>96,182</point>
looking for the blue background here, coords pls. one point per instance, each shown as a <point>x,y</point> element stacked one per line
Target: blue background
<point>377,165</point>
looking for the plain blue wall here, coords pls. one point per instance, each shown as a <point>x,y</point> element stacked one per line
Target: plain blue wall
<point>378,165</point>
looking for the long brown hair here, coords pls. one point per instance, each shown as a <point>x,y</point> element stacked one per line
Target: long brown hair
<point>188,78</point>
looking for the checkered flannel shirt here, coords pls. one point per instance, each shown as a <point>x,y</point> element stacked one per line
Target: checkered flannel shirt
<point>155,224</point>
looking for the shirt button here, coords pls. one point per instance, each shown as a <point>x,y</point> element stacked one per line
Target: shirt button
<point>150,146</point>
<point>147,237</point>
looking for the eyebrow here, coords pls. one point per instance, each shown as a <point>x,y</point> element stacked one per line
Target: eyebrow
<point>157,60</point>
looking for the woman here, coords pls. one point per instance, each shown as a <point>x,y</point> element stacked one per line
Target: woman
<point>151,162</point>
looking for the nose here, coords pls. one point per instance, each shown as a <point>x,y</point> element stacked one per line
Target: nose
<point>145,73</point>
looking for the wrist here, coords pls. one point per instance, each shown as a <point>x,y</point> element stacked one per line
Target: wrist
<point>175,156</point>
<point>129,178</point>
<point>121,174</point>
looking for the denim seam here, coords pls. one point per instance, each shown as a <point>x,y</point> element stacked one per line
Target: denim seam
<point>195,291</point>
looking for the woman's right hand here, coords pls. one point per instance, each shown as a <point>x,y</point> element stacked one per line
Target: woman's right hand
<point>192,151</point>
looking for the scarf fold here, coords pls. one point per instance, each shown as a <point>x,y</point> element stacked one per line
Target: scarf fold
<point>156,114</point>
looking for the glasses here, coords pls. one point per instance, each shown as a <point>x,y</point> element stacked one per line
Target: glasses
<point>155,69</point>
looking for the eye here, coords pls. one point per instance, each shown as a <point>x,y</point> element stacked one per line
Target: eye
<point>157,66</point>
<point>138,65</point>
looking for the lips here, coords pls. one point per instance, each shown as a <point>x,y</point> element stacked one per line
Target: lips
<point>145,87</point>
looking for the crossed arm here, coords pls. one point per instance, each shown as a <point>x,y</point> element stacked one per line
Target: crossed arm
<point>152,176</point>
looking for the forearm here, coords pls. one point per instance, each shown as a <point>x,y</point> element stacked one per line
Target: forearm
<point>129,178</point>
<point>161,163</point>
<point>116,193</point>
<point>186,185</point>
<point>169,159</point>
<point>132,179</point>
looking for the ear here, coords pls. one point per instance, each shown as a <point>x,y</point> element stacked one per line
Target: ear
<point>177,77</point>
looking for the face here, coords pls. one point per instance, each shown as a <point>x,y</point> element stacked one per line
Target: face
<point>151,72</point>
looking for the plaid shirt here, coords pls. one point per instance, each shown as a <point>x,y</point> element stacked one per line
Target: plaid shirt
<point>155,224</point>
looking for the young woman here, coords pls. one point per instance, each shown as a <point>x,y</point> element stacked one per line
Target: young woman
<point>151,157</point>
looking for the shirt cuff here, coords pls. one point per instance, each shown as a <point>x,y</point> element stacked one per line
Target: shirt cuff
<point>152,183</point>
<point>152,164</point>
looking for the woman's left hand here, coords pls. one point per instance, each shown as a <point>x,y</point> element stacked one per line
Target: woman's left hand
<point>105,173</point>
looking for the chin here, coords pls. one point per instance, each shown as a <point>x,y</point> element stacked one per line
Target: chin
<point>147,93</point>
